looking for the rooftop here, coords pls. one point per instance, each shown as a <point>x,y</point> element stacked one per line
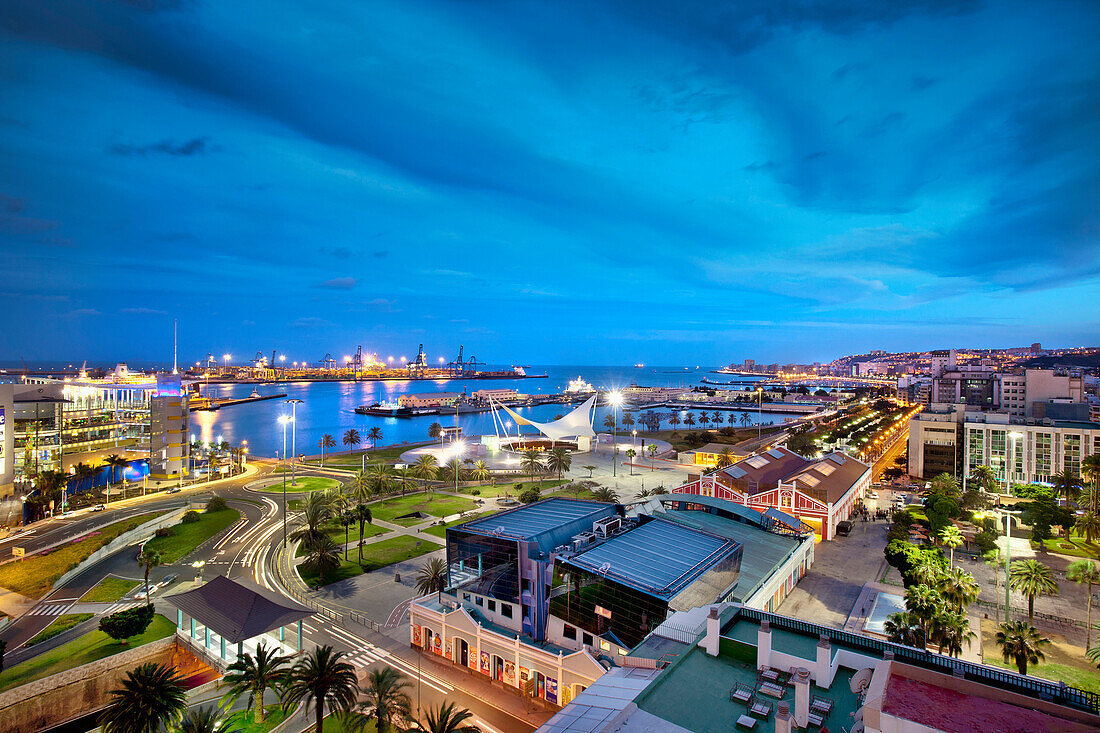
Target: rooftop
<point>835,474</point>
<point>237,611</point>
<point>548,522</point>
<point>659,557</point>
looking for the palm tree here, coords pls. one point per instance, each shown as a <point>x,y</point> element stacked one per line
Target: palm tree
<point>316,512</point>
<point>1020,643</point>
<point>480,472</point>
<point>363,516</point>
<point>605,493</point>
<point>386,700</point>
<point>322,679</point>
<point>745,420</point>
<point>559,460</point>
<point>532,463</point>
<point>704,419</point>
<point>346,518</point>
<point>904,628</point>
<point>213,461</point>
<point>374,435</point>
<point>149,559</point>
<point>114,462</point>
<point>151,696</point>
<point>1088,526</point>
<point>652,449</point>
<point>628,420</point>
<point>984,478</point>
<point>1088,573</point>
<point>958,588</point>
<point>426,468</point>
<point>609,422</point>
<point>380,481</point>
<point>926,572</point>
<point>725,458</point>
<point>1090,468</point>
<point>446,719</point>
<point>717,417</point>
<point>951,537</point>
<point>322,556</point>
<point>435,430</point>
<point>1066,483</point>
<point>689,420</point>
<point>924,603</point>
<point>590,469</point>
<point>950,630</point>
<point>432,576</point>
<point>992,558</point>
<point>351,437</point>
<point>1093,655</point>
<point>201,720</point>
<point>253,675</point>
<point>1032,578</point>
<point>326,442</point>
<point>630,453</point>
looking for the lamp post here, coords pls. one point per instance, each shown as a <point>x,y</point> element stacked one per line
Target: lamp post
<point>616,399</point>
<point>1009,516</point>
<point>293,402</point>
<point>284,419</point>
<point>759,411</point>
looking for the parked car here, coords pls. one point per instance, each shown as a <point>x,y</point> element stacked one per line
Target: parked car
<point>98,508</point>
<point>174,490</point>
<point>843,528</point>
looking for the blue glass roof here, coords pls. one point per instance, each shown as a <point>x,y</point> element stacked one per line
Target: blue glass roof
<point>659,557</point>
<point>549,523</point>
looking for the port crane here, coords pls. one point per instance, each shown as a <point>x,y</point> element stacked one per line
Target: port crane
<point>328,362</point>
<point>460,367</point>
<point>416,368</point>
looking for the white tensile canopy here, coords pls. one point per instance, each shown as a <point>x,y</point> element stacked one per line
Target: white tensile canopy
<point>578,423</point>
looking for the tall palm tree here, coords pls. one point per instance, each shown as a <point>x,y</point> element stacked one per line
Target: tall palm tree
<point>435,430</point>
<point>83,473</point>
<point>151,696</point>
<point>958,588</point>
<point>352,438</point>
<point>1085,572</point>
<point>630,453</point>
<point>717,417</point>
<point>992,558</point>
<point>363,516</point>
<point>326,442</point>
<point>951,537</point>
<point>380,481</point>
<point>374,435</point>
<point>432,576</point>
<point>984,478</point>
<point>386,699</point>
<point>628,420</point>
<point>926,572</point>
<point>115,464</point>
<point>745,420</point>
<point>532,463</point>
<point>255,674</point>
<point>148,559</point>
<point>689,420</point>
<point>725,458</point>
<point>924,603</point>
<point>346,518</point>
<point>446,719</point>
<point>202,720</point>
<point>559,460</point>
<point>605,493</point>
<point>1090,470</point>
<point>480,471</point>
<point>426,468</point>
<point>316,513</point>
<point>609,422</point>
<point>321,679</point>
<point>1021,643</point>
<point>950,630</point>
<point>904,628</point>
<point>1032,578</point>
<point>1067,484</point>
<point>1088,525</point>
<point>322,556</point>
<point>652,450</point>
<point>704,419</point>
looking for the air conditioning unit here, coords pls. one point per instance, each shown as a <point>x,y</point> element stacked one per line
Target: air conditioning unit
<point>607,526</point>
<point>583,540</point>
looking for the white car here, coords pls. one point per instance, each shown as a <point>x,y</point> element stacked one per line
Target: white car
<point>98,508</point>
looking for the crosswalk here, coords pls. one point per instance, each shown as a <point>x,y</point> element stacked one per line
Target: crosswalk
<point>51,609</point>
<point>363,657</point>
<point>122,606</point>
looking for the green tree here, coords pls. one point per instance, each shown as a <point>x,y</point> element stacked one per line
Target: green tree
<point>993,559</point>
<point>446,719</point>
<point>364,517</point>
<point>151,696</point>
<point>321,679</point>
<point>689,420</point>
<point>924,603</point>
<point>322,556</point>
<point>984,479</point>
<point>426,468</point>
<point>1088,526</point>
<point>1067,484</point>
<point>352,438</point>
<point>346,519</point>
<point>148,559</point>
<point>725,458</point>
<point>529,495</point>
<point>559,461</point>
<point>480,472</point>
<point>435,430</point>
<point>116,464</point>
<point>590,469</point>
<point>1021,643</point>
<point>374,435</point>
<point>630,453</point>
<point>127,624</point>
<point>252,675</point>
<point>1032,578</point>
<point>316,513</point>
<point>386,699</point>
<point>745,419</point>
<point>944,484</point>
<point>202,720</point>
<point>380,481</point>
<point>1085,572</point>
<point>904,628</point>
<point>605,493</point>
<point>958,588</point>
<point>951,537</point>
<point>532,463</point>
<point>432,576</point>
<point>950,630</point>
<point>326,442</point>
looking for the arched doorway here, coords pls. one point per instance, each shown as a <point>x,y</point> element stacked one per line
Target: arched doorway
<point>463,651</point>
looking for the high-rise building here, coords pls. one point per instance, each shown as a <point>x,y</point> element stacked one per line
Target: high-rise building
<point>169,446</point>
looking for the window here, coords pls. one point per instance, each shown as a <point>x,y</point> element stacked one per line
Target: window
<point>479,600</point>
<point>493,606</point>
<point>587,639</point>
<point>465,596</point>
<point>569,632</point>
<point>506,610</point>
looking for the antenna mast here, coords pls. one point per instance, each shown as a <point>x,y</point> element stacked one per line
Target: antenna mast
<point>175,344</point>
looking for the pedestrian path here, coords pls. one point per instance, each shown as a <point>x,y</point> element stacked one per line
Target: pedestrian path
<point>51,609</point>
<point>121,606</point>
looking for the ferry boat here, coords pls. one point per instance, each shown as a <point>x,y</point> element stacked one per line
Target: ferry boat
<point>639,365</point>
<point>579,385</point>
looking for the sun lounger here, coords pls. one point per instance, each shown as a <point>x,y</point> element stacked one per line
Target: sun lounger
<point>762,709</point>
<point>741,694</point>
<point>770,688</point>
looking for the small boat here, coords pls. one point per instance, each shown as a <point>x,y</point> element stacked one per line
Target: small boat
<point>387,409</point>
<point>639,365</point>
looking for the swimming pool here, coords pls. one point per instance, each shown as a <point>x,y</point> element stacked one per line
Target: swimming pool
<point>884,605</point>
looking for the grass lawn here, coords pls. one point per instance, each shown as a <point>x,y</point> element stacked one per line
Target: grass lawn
<point>35,575</point>
<point>190,536</point>
<point>241,721</point>
<point>59,624</point>
<point>335,724</point>
<point>376,555</point>
<point>441,530</point>
<point>1073,546</point>
<point>1062,661</point>
<point>508,487</point>
<point>305,485</point>
<point>87,648</point>
<point>439,505</point>
<point>340,458</point>
<point>336,532</point>
<point>109,590</point>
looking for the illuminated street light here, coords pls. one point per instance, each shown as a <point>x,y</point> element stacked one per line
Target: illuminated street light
<point>616,399</point>
<point>284,419</point>
<point>282,357</point>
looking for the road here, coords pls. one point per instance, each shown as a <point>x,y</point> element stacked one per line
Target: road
<point>247,550</point>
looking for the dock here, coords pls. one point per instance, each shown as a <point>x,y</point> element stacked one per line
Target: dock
<point>217,404</point>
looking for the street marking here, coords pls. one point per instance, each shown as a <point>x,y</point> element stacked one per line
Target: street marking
<point>121,606</point>
<point>51,609</point>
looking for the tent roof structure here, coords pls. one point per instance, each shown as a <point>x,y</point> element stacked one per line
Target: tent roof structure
<point>236,611</point>
<point>577,423</point>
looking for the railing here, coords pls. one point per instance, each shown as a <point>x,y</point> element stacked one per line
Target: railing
<point>1022,614</point>
<point>292,587</point>
<point>1054,692</point>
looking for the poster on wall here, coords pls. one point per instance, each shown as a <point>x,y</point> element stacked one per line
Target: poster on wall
<point>416,635</point>
<point>485,662</point>
<point>524,675</point>
<point>450,649</point>
<point>471,659</point>
<point>551,690</point>
<point>437,644</point>
<point>510,674</point>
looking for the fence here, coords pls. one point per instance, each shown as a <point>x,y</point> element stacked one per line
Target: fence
<point>1022,615</point>
<point>291,585</point>
<point>1054,692</point>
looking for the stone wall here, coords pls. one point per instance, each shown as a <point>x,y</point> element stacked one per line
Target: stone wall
<point>75,692</point>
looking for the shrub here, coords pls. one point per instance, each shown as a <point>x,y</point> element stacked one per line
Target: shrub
<point>190,517</point>
<point>126,624</point>
<point>475,492</point>
<point>165,532</point>
<point>216,504</point>
<point>985,540</point>
<point>529,496</point>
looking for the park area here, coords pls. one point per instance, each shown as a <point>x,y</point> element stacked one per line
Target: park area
<point>1063,662</point>
<point>82,650</point>
<point>436,505</point>
<point>305,484</point>
<point>189,535</point>
<point>36,574</point>
<point>375,555</point>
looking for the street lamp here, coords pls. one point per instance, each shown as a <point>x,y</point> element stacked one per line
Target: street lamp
<point>1009,516</point>
<point>293,402</point>
<point>616,399</point>
<point>459,448</point>
<point>759,411</point>
<point>284,419</point>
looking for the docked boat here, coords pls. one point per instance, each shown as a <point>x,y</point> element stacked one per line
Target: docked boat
<point>383,409</point>
<point>579,385</point>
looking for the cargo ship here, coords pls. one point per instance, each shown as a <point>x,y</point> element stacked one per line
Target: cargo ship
<point>392,409</point>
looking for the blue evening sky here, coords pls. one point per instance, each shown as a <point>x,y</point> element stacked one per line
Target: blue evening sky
<point>568,182</point>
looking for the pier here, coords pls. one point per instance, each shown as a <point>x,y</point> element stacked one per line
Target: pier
<point>203,403</point>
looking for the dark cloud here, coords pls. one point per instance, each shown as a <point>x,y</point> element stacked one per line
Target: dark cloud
<point>194,146</point>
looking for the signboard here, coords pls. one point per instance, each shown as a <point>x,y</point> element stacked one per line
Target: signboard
<point>18,552</point>
<point>485,662</point>
<point>416,635</point>
<point>551,690</point>
<point>510,674</point>
<point>601,611</point>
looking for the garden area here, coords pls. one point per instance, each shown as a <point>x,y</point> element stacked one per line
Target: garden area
<point>507,488</point>
<point>82,650</point>
<point>109,590</point>
<point>1062,661</point>
<point>375,555</point>
<point>36,574</point>
<point>305,485</point>
<point>195,529</point>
